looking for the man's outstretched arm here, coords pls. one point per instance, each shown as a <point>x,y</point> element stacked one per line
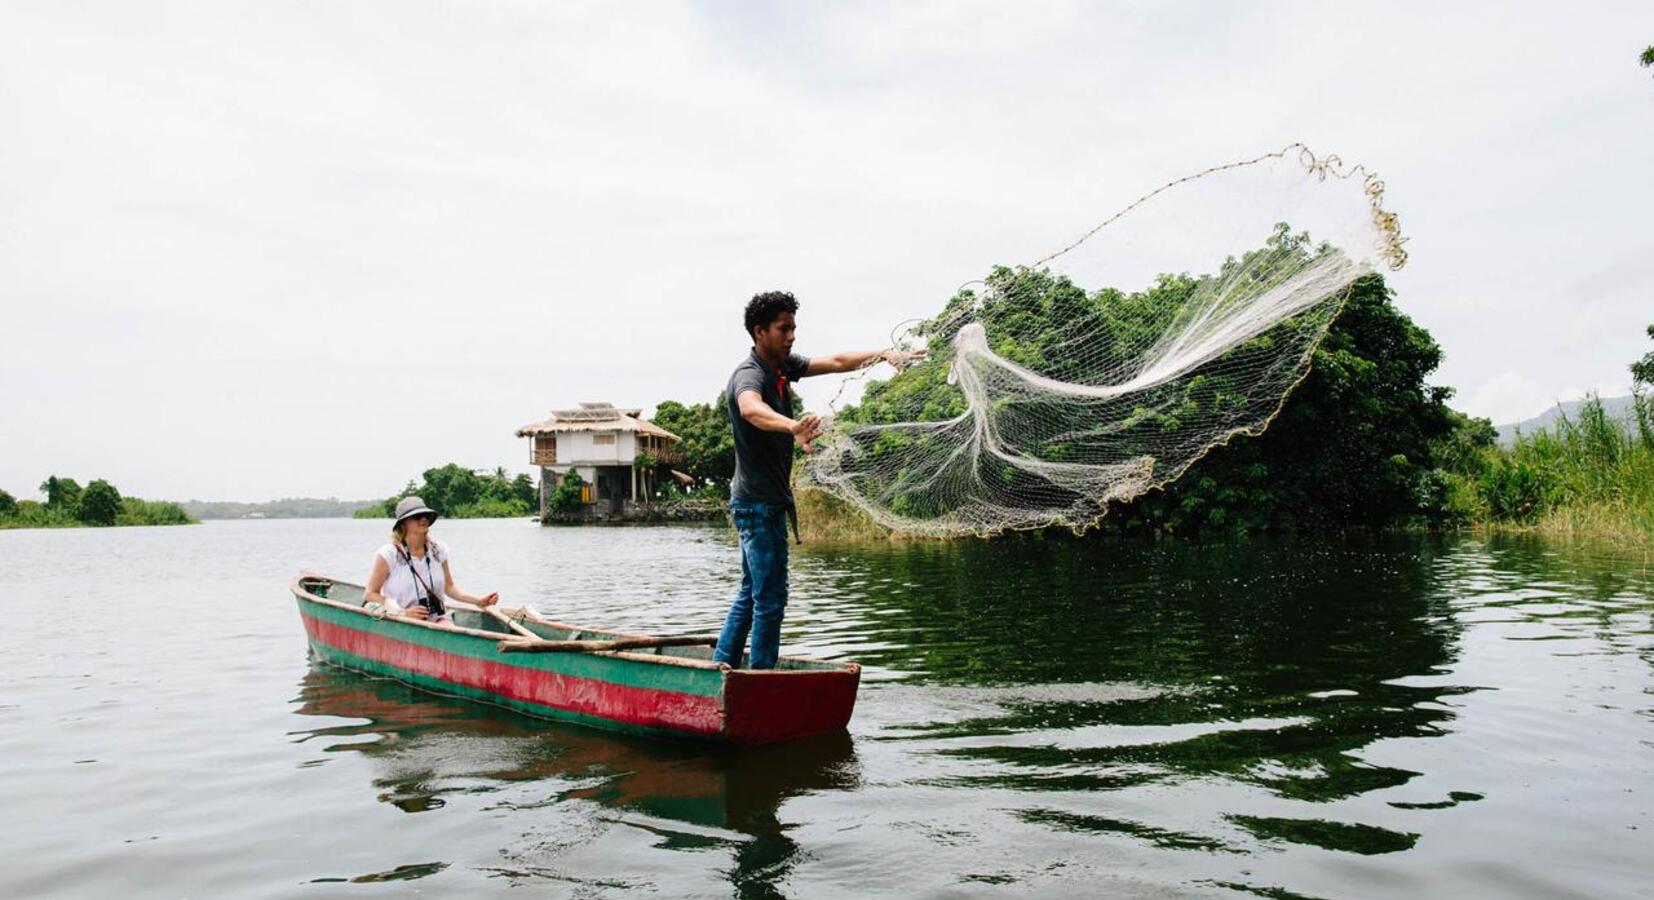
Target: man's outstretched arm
<point>753,408</point>
<point>851,360</point>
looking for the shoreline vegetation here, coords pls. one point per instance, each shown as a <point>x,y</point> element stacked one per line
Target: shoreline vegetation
<point>97,505</point>
<point>456,492</point>
<point>1590,478</point>
<point>1363,442</point>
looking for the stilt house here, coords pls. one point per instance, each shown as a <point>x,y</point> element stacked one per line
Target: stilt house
<point>621,457</point>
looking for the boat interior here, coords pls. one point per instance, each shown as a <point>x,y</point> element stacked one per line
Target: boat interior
<point>351,594</point>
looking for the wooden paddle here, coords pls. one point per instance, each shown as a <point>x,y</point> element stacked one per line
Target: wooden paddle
<point>499,615</point>
<point>638,643</point>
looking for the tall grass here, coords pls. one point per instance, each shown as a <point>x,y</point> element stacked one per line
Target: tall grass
<point>1590,475</point>
<point>824,517</point>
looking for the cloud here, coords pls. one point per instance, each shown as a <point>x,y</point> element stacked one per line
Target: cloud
<point>427,223</point>
<point>1510,397</point>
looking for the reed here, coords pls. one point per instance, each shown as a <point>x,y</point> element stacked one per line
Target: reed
<point>1591,476</point>
<point>824,518</point>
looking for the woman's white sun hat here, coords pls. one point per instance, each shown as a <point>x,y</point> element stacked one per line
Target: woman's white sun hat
<point>411,506</point>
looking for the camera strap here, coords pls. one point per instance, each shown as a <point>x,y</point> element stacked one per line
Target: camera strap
<point>432,601</point>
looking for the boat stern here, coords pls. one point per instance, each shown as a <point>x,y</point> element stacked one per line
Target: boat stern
<point>763,707</point>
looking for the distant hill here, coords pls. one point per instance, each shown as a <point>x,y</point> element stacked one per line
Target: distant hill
<point>290,508</point>
<point>1616,407</point>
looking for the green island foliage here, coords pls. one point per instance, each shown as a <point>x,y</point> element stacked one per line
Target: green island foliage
<point>460,493</point>
<point>1362,440</point>
<point>97,504</point>
<point>707,447</point>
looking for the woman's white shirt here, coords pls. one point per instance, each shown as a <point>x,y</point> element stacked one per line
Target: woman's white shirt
<point>402,589</point>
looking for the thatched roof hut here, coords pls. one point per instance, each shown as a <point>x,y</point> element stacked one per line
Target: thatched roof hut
<point>597,417</point>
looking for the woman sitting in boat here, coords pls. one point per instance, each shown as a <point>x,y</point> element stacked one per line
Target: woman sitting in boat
<point>410,574</point>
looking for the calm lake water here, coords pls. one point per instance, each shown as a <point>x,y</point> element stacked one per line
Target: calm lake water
<point>1387,716</point>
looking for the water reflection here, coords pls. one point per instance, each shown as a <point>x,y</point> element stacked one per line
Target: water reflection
<point>418,738</point>
<point>1248,668</point>
<point>1271,663</point>
<point>1248,715</point>
<point>426,746</point>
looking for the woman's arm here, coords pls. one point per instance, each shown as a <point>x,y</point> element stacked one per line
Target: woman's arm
<point>376,581</point>
<point>454,591</point>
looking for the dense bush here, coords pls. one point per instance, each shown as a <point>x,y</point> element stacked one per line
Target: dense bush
<point>151,512</point>
<point>99,503</point>
<point>565,497</point>
<point>460,493</point>
<point>707,445</point>
<point>1362,440</point>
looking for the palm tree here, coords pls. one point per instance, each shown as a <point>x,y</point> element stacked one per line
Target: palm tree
<point>1648,56</point>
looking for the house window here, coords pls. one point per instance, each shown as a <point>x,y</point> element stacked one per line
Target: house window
<point>602,440</point>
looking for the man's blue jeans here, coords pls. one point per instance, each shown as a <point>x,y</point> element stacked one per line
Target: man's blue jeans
<point>762,599</point>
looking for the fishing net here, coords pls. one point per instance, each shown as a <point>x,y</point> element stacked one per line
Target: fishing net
<point>1107,368</point>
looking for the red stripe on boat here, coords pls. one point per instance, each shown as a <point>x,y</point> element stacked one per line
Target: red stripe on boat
<point>646,707</point>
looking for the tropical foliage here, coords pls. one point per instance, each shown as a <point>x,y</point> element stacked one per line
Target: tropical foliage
<point>69,505</point>
<point>707,446</point>
<point>1590,473</point>
<point>460,493</point>
<point>1362,440</point>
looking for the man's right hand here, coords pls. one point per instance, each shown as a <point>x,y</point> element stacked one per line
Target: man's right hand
<point>806,430</point>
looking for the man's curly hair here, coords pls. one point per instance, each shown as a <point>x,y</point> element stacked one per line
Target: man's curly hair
<point>763,309</point>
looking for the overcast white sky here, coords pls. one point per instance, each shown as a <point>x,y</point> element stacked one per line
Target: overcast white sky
<point>253,250</point>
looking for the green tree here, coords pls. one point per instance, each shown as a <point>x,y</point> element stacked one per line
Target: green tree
<point>8,504</point>
<point>707,445</point>
<point>62,494</point>
<point>566,497</point>
<point>1647,58</point>
<point>100,503</point>
<point>1642,401</point>
<point>1356,442</point>
<point>522,487</point>
<point>449,487</point>
<point>1642,371</point>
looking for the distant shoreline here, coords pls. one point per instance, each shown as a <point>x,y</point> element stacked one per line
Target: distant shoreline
<point>285,508</point>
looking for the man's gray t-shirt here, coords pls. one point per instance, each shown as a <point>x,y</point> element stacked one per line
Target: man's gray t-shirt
<point>763,459</point>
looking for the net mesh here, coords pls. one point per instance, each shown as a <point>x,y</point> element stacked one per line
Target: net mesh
<point>1044,400</point>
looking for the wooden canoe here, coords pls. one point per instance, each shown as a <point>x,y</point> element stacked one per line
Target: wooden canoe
<point>663,691</point>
